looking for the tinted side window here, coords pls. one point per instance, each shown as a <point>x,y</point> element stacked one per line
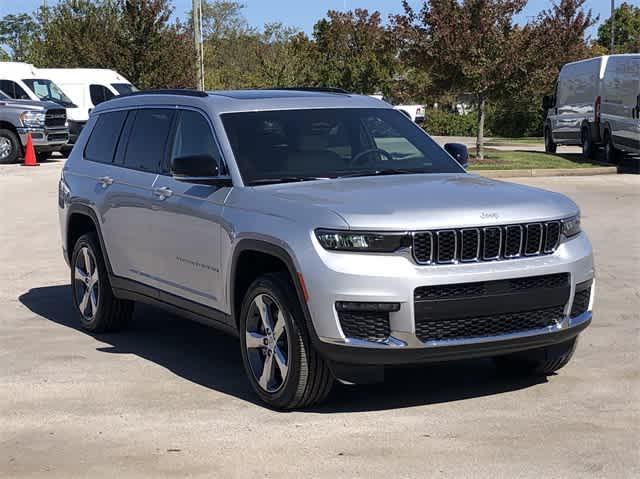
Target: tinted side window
<point>99,94</point>
<point>14,90</point>
<point>193,136</point>
<point>148,139</point>
<point>104,137</point>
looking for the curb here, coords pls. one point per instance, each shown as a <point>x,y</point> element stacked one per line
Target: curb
<point>600,170</point>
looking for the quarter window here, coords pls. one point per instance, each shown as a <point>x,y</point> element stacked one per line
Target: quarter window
<point>193,137</point>
<point>104,137</point>
<point>147,142</point>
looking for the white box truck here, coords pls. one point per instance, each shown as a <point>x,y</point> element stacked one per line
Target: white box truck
<point>596,103</point>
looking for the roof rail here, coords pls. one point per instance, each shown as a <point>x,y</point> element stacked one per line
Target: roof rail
<point>313,88</point>
<point>170,91</point>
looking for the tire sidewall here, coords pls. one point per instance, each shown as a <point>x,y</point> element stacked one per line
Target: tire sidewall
<point>549,145</point>
<point>283,397</point>
<point>15,146</point>
<point>587,144</point>
<point>104,292</point>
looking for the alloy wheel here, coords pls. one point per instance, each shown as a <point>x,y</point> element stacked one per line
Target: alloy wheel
<point>86,284</point>
<point>5,147</point>
<point>267,343</point>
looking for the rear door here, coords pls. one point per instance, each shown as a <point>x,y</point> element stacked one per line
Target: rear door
<point>126,215</point>
<point>186,221</point>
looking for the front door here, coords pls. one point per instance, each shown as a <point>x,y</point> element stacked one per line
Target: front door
<point>186,220</point>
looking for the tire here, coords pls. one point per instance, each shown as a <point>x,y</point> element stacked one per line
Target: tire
<point>611,155</point>
<point>549,145</point>
<point>43,156</point>
<point>306,380</point>
<point>10,147</point>
<point>93,298</point>
<point>588,149</point>
<point>538,362</point>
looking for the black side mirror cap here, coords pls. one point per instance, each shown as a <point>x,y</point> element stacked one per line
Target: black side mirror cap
<point>459,152</point>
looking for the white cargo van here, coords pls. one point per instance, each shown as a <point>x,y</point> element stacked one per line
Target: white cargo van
<point>596,103</point>
<point>23,82</point>
<point>87,88</point>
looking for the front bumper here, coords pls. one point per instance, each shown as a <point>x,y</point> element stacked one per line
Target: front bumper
<point>394,278</point>
<point>44,139</point>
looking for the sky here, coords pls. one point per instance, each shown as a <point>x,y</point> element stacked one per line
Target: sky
<point>304,13</point>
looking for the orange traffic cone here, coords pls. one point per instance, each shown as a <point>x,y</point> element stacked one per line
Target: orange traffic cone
<point>30,153</point>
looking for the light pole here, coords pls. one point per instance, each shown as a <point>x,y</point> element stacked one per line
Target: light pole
<point>197,36</point>
<point>613,32</point>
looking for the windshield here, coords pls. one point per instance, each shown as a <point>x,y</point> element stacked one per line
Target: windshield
<point>46,90</point>
<point>298,145</point>
<point>124,88</point>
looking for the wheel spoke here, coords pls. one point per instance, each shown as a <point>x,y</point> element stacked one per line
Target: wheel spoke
<point>80,275</point>
<point>94,302</point>
<point>265,313</point>
<point>281,361</point>
<point>85,301</point>
<point>255,340</point>
<point>94,278</point>
<point>87,261</point>
<point>267,372</point>
<point>278,328</point>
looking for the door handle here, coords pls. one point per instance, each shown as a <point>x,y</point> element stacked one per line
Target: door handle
<point>162,192</point>
<point>105,181</point>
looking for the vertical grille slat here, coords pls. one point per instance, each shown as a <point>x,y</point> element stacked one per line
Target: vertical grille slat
<point>447,246</point>
<point>490,243</point>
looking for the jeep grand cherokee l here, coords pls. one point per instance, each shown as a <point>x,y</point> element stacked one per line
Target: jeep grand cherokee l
<point>325,229</point>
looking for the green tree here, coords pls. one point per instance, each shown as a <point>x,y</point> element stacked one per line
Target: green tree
<point>17,35</point>
<point>627,29</point>
<point>354,51</point>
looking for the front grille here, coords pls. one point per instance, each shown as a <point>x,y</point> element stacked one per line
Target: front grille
<point>485,288</point>
<point>55,118</point>
<point>57,137</point>
<point>581,302</point>
<point>490,325</point>
<point>486,244</point>
<point>370,326</point>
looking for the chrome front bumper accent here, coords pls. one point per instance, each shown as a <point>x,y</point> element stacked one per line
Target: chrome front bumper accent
<point>44,136</point>
<point>402,340</point>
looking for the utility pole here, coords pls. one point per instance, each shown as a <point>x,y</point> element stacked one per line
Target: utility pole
<point>197,36</point>
<point>613,32</point>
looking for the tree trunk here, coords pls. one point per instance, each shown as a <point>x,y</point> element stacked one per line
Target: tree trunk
<point>480,138</point>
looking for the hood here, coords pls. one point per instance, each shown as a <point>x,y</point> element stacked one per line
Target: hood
<point>415,202</point>
<point>28,104</point>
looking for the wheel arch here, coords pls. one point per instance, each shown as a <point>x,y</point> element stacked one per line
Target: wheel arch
<point>80,220</point>
<point>239,281</point>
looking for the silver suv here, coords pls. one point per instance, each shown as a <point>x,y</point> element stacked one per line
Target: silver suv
<point>326,230</point>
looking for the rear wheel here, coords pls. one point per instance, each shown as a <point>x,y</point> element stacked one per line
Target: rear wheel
<point>549,145</point>
<point>542,361</point>
<point>279,359</point>
<point>588,149</point>
<point>611,155</point>
<point>9,147</point>
<point>93,298</point>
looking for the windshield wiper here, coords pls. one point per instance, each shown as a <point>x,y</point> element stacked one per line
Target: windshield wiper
<point>284,179</point>
<point>382,172</point>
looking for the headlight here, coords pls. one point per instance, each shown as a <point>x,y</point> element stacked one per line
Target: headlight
<point>362,241</point>
<point>32,119</point>
<point>571,226</point>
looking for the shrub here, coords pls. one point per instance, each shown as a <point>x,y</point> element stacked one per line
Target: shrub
<point>443,123</point>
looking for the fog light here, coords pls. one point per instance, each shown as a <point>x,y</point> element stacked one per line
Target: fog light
<point>365,306</point>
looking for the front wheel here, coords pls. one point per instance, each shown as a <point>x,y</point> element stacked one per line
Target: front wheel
<point>611,155</point>
<point>549,145</point>
<point>540,362</point>
<point>588,149</point>
<point>9,147</point>
<point>279,359</point>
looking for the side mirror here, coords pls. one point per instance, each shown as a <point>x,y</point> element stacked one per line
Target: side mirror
<point>194,167</point>
<point>459,152</point>
<point>548,102</point>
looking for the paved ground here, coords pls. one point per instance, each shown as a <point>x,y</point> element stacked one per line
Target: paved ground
<point>168,398</point>
<point>470,141</point>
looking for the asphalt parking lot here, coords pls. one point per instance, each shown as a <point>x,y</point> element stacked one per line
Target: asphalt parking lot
<point>168,398</point>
